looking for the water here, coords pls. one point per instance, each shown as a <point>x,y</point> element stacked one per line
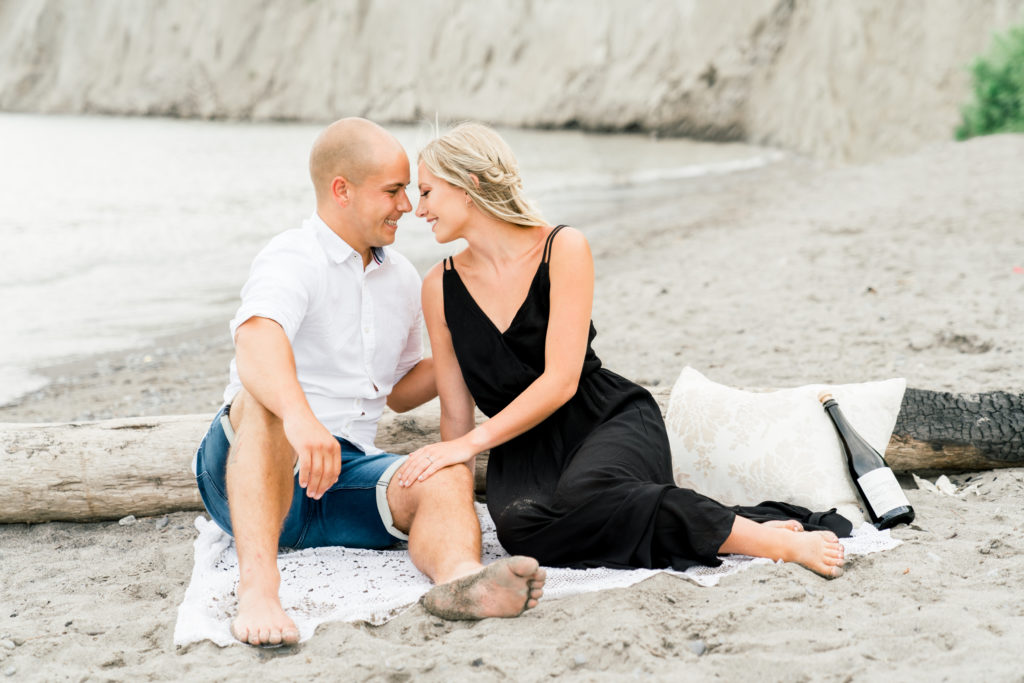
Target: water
<point>114,231</point>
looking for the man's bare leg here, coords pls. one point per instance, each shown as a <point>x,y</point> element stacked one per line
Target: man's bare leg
<point>259,480</point>
<point>444,543</point>
<point>819,551</point>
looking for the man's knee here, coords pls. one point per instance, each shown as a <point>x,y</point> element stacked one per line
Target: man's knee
<point>456,480</point>
<point>451,484</point>
<point>248,413</point>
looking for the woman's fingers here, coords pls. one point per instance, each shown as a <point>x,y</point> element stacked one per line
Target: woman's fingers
<point>420,465</point>
<point>413,467</point>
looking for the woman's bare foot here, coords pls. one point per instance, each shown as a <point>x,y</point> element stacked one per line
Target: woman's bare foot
<point>819,551</point>
<point>505,588</point>
<point>261,620</point>
<point>790,524</point>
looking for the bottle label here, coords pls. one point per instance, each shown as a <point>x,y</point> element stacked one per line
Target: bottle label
<point>882,490</point>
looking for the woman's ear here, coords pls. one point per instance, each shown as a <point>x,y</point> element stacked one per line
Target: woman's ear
<point>475,179</point>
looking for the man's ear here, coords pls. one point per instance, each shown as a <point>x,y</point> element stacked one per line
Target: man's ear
<point>341,191</point>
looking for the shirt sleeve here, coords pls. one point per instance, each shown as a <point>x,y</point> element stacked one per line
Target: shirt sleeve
<point>284,278</point>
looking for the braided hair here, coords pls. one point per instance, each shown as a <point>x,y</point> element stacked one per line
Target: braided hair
<point>474,158</point>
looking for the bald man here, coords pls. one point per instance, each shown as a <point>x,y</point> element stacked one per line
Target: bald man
<point>329,330</point>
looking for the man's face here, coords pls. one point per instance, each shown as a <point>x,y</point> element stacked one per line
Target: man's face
<point>380,200</point>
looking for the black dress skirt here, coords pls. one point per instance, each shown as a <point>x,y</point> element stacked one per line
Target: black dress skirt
<point>590,486</point>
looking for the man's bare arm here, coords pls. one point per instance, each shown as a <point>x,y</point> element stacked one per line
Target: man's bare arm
<point>266,367</point>
<point>416,388</point>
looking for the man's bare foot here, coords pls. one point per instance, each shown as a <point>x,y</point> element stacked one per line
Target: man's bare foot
<point>505,588</point>
<point>262,621</point>
<point>819,551</point>
<point>790,524</point>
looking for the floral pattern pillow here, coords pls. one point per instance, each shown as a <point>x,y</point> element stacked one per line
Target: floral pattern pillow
<point>743,447</point>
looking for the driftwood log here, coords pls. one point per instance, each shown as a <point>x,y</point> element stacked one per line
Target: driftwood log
<point>141,466</point>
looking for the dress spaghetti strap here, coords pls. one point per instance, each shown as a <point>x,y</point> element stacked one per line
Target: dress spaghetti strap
<point>547,245</point>
<point>448,263</point>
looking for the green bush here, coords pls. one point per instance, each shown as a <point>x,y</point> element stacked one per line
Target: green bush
<point>998,85</point>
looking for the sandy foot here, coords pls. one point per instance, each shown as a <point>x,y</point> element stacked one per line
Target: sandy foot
<point>819,551</point>
<point>505,588</point>
<point>262,621</point>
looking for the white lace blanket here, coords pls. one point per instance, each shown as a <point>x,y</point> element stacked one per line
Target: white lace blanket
<point>341,584</point>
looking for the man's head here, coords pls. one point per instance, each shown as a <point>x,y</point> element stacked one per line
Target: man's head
<point>360,172</point>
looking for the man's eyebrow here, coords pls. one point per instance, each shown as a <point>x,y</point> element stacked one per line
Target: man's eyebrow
<point>395,186</point>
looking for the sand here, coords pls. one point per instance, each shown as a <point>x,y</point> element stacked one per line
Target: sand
<point>795,273</point>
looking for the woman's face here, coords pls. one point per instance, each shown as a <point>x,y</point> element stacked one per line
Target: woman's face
<point>446,207</point>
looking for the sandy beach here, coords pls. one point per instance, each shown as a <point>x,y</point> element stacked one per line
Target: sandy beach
<point>798,272</point>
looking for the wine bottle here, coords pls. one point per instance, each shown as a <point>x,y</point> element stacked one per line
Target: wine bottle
<point>884,499</point>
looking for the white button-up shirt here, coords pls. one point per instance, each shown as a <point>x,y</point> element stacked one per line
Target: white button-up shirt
<point>354,332</point>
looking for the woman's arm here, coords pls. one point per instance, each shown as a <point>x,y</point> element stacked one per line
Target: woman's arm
<point>457,405</point>
<point>571,271</point>
<point>415,388</point>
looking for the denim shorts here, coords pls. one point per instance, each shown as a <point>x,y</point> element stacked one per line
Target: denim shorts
<point>354,512</point>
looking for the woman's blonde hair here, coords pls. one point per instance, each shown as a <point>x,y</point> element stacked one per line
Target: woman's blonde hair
<point>474,158</point>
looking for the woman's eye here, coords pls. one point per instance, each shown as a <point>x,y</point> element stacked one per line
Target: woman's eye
<point>424,193</point>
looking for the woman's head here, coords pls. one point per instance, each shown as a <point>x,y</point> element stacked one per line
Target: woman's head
<point>473,158</point>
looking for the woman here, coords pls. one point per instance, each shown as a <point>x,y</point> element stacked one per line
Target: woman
<point>580,468</point>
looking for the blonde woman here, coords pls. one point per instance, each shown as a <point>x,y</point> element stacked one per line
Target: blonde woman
<point>579,472</point>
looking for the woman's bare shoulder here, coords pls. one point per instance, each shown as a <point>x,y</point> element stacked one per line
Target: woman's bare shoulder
<point>569,244</point>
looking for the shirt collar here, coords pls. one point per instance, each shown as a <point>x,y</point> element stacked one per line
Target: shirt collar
<point>338,249</point>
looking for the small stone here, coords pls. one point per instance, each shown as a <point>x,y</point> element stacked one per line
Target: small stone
<point>478,661</point>
<point>10,671</point>
<point>7,644</point>
<point>579,660</point>
<point>697,647</point>
<point>127,521</point>
<point>162,522</point>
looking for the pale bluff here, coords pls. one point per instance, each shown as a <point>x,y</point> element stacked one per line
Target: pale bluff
<point>829,78</point>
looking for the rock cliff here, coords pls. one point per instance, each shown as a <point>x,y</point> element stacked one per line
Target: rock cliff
<point>829,78</point>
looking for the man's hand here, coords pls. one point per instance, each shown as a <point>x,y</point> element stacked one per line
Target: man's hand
<point>318,454</point>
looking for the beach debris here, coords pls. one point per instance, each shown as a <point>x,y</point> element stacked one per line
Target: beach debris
<point>697,647</point>
<point>479,661</point>
<point>579,660</point>
<point>10,671</point>
<point>7,644</point>
<point>941,486</point>
<point>162,522</point>
<point>127,521</point>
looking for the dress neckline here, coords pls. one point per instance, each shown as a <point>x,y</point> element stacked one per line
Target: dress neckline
<point>479,309</point>
<point>544,259</point>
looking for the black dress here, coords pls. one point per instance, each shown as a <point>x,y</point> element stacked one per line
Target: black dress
<point>592,484</point>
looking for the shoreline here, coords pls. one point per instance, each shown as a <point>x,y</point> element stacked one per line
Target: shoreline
<point>816,274</point>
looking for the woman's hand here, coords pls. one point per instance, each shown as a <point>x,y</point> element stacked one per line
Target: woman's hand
<point>422,463</point>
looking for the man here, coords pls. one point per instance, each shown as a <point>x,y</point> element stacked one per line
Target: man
<point>328,331</point>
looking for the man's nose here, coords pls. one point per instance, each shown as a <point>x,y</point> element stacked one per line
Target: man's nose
<point>404,205</point>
